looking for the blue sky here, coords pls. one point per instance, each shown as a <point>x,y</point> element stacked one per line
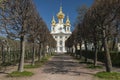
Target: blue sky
<point>48,8</point>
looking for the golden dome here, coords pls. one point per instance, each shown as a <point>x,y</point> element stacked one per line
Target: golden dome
<point>68,21</point>
<point>60,15</point>
<point>53,21</point>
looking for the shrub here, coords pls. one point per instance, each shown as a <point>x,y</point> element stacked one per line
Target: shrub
<point>115,56</point>
<point>31,66</point>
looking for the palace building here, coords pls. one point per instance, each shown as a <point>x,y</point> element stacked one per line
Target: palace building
<point>60,30</point>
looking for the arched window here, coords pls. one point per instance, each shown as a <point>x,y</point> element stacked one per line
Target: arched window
<point>53,29</point>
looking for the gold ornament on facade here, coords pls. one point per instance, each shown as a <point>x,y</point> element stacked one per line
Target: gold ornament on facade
<point>68,22</point>
<point>60,15</point>
<point>53,21</point>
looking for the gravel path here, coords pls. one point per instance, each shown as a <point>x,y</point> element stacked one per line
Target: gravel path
<point>60,67</point>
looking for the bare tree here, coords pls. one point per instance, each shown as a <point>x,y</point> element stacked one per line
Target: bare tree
<point>19,13</point>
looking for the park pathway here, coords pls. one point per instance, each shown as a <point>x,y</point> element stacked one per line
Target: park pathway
<point>61,67</point>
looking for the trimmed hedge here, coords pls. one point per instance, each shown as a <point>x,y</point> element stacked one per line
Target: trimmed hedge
<point>115,56</point>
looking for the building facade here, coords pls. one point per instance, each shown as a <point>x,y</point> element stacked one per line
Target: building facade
<point>60,31</point>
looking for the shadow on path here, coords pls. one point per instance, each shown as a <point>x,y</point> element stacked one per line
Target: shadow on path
<point>63,64</point>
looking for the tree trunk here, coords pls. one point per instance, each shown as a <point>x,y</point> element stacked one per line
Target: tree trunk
<point>80,50</point>
<point>96,52</point>
<point>22,52</point>
<point>114,47</point>
<point>101,47</point>
<point>107,53</point>
<point>76,51</point>
<point>43,50</point>
<point>33,55</point>
<point>39,52</point>
<point>9,54</point>
<point>86,49</point>
<point>3,55</point>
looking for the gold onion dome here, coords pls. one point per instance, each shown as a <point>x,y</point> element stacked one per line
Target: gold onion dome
<point>53,21</point>
<point>60,14</point>
<point>67,21</point>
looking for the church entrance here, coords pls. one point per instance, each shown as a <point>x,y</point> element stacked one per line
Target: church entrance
<point>61,49</point>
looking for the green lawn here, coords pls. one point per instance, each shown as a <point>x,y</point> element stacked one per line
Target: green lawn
<point>91,66</point>
<point>20,74</point>
<point>39,63</point>
<point>108,76</point>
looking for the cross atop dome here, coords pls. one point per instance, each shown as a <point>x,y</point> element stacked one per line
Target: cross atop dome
<point>60,14</point>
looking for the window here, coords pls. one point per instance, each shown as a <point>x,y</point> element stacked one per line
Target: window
<point>53,29</point>
<point>61,42</point>
<point>60,36</point>
<point>55,36</point>
<point>60,28</point>
<point>68,28</point>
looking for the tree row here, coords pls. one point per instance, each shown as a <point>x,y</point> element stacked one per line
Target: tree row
<point>98,26</point>
<point>25,31</point>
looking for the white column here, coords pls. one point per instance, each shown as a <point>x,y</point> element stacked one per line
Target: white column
<point>57,44</point>
<point>66,28</point>
<point>64,44</point>
<point>69,29</point>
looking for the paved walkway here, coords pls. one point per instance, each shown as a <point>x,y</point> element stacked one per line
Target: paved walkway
<point>60,67</point>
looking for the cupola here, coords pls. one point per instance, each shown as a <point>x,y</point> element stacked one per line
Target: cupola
<point>68,21</point>
<point>53,21</point>
<point>60,14</point>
